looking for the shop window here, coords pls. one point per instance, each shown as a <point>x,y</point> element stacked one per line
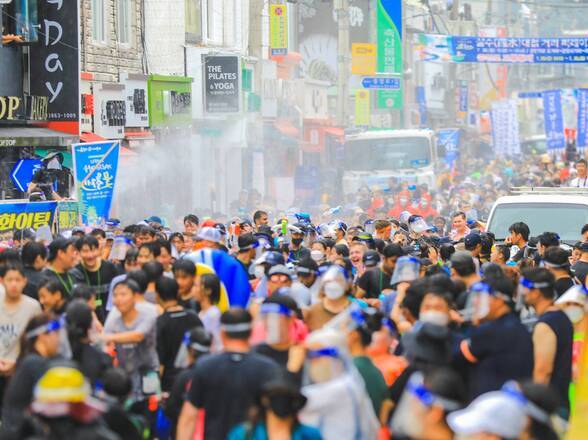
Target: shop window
<point>99,21</point>
<point>193,21</point>
<point>124,15</point>
<point>20,21</point>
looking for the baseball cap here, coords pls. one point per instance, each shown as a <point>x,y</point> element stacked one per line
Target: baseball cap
<point>280,269</point>
<point>371,258</point>
<point>154,219</point>
<point>247,241</point>
<point>496,412</point>
<point>393,250</point>
<point>584,246</point>
<point>307,266</point>
<point>210,234</point>
<point>472,240</point>
<point>271,257</point>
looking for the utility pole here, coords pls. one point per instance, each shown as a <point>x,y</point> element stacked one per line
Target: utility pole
<point>342,9</point>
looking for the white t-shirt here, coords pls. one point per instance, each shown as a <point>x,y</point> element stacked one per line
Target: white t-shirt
<point>13,323</point>
<point>341,409</point>
<point>211,322</point>
<point>579,182</point>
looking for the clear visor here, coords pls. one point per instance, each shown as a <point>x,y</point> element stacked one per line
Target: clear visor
<point>323,365</point>
<point>43,234</point>
<point>478,303</point>
<point>418,226</point>
<point>406,269</point>
<point>182,358</point>
<point>119,249</point>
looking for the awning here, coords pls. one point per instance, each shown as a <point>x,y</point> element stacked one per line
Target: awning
<point>34,137</point>
<point>286,128</point>
<point>90,137</point>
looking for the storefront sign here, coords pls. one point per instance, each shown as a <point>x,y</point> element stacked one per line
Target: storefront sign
<point>68,215</point>
<point>136,97</point>
<point>278,29</point>
<point>389,28</point>
<point>54,63</point>
<point>363,59</point>
<point>222,92</point>
<point>19,109</point>
<point>110,110</point>
<point>25,215</point>
<point>95,166</point>
<point>362,108</point>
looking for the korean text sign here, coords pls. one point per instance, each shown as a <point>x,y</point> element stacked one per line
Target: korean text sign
<point>553,114</point>
<point>18,216</point>
<point>95,166</point>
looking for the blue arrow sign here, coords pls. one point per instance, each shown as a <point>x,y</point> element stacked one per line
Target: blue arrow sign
<point>23,171</point>
<point>372,82</point>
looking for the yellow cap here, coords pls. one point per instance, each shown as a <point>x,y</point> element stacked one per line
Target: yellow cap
<point>62,385</point>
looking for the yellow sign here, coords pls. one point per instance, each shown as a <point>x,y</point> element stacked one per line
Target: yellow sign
<point>362,108</point>
<point>363,59</point>
<point>278,30</point>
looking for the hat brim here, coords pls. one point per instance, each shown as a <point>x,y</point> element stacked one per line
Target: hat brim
<point>466,421</point>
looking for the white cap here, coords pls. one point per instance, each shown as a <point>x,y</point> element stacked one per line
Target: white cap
<point>495,413</point>
<point>210,234</point>
<point>575,294</point>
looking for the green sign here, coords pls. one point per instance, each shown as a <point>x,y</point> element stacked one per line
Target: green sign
<point>170,101</point>
<point>389,22</point>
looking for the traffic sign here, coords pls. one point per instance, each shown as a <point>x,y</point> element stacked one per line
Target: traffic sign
<point>22,172</point>
<point>387,83</point>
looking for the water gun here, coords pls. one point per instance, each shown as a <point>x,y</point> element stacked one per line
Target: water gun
<point>332,211</point>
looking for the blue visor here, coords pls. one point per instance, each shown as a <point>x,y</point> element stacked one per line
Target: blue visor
<point>323,352</point>
<point>52,326</point>
<point>531,285</point>
<point>275,308</point>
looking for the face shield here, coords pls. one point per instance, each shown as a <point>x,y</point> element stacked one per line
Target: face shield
<point>276,323</point>
<point>119,249</point>
<point>418,226</point>
<point>416,400</point>
<point>323,365</point>
<point>404,216</point>
<point>182,358</point>
<point>59,326</point>
<point>334,283</point>
<point>407,269</point>
<point>43,234</point>
<point>263,244</point>
<point>369,226</point>
<point>326,230</point>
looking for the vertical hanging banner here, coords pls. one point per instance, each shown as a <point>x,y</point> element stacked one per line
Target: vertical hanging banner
<point>422,101</point>
<point>505,128</point>
<point>389,27</point>
<point>554,128</point>
<point>582,127</point>
<point>363,59</point>
<point>278,30</point>
<point>95,167</point>
<point>54,64</point>
<point>362,108</point>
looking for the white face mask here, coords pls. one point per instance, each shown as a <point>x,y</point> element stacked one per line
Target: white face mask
<point>259,272</point>
<point>575,313</point>
<point>317,255</point>
<point>334,290</point>
<point>434,317</point>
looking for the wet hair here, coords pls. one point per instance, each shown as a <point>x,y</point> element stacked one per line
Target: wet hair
<point>128,283</point>
<point>520,228</point>
<point>459,214</point>
<point>446,251</point>
<point>117,383</point>
<point>52,285</point>
<point>9,256</point>
<point>548,239</point>
<point>184,266</point>
<point>176,235</point>
<point>12,266</point>
<point>167,288</point>
<point>97,232</point>
<point>145,230</point>
<point>30,251</point>
<point>372,323</point>
<point>414,296</point>
<point>236,316</point>
<point>341,249</point>
<point>153,248</point>
<point>192,219</point>
<point>139,277</point>
<point>211,282</point>
<point>27,345</point>
<point>131,255</point>
<point>504,251</point>
<point>164,244</point>
<point>87,240</point>
<point>584,229</point>
<point>153,270</point>
<point>83,292</point>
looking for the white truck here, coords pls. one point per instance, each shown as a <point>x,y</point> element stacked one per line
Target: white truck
<point>372,158</point>
<point>560,210</point>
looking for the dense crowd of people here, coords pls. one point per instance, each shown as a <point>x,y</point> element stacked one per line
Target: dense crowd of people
<point>395,315</point>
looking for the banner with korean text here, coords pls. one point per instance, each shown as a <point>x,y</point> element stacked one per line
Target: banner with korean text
<point>95,166</point>
<point>553,120</point>
<point>15,216</point>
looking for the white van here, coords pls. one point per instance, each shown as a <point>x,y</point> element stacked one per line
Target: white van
<point>560,210</point>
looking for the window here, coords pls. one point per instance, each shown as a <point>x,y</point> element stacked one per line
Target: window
<point>124,21</point>
<point>215,21</point>
<point>99,31</point>
<point>194,21</point>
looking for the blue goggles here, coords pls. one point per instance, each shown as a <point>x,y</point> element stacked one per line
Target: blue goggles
<point>275,308</point>
<point>323,352</point>
<point>51,326</point>
<point>428,398</point>
<point>528,284</point>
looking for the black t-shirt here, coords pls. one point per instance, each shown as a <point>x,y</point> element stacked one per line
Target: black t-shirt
<point>580,270</point>
<point>561,375</point>
<point>562,285</point>
<point>92,362</point>
<point>503,351</point>
<point>66,280</point>
<point>19,393</point>
<point>171,327</point>
<point>34,278</point>
<point>373,281</point>
<point>225,386</point>
<point>177,395</point>
<point>278,356</point>
<point>99,279</point>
